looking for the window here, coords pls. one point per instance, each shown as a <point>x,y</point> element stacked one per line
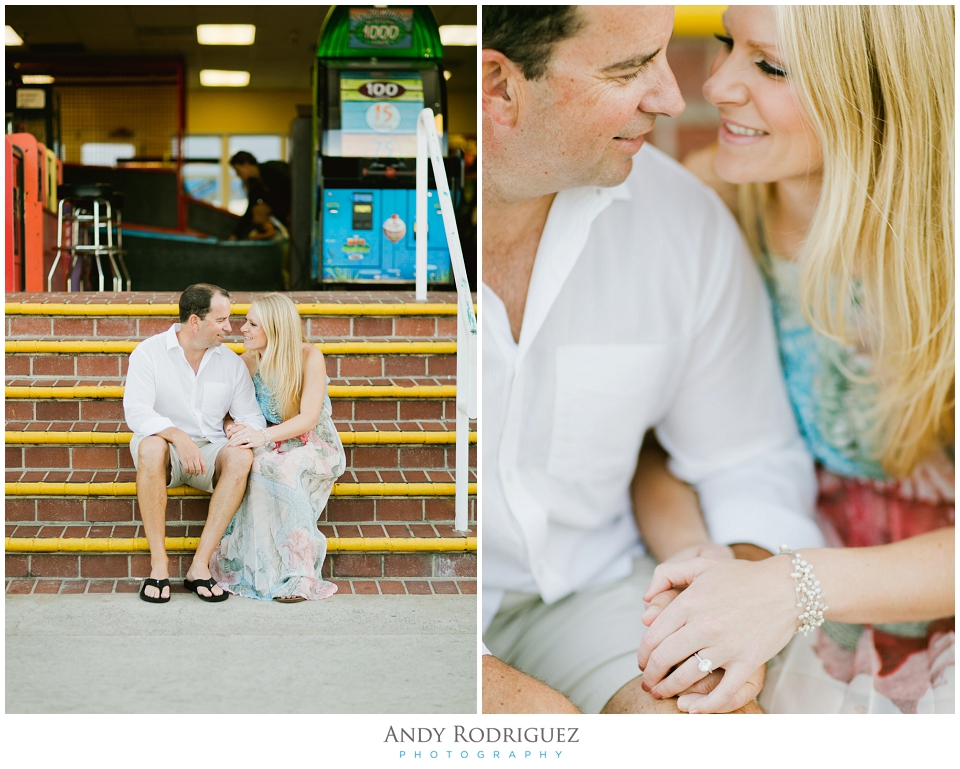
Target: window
<point>100,154</point>
<point>207,174</point>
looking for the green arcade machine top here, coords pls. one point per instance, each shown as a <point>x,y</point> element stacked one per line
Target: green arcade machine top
<point>376,69</point>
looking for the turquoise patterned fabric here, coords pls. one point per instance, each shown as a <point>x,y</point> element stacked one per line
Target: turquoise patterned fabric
<point>832,409</point>
<point>272,547</point>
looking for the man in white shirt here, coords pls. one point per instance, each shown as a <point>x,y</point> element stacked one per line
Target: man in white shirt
<point>180,385</point>
<point>618,296</point>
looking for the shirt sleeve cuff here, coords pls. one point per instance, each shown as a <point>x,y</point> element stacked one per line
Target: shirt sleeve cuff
<point>764,527</point>
<point>154,425</point>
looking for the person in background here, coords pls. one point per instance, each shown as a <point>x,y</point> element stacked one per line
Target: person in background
<point>268,182</point>
<point>265,225</point>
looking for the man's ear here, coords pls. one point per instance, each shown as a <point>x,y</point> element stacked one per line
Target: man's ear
<point>499,84</point>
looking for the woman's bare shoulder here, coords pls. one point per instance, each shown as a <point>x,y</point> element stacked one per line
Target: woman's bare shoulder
<point>700,163</point>
<point>251,361</point>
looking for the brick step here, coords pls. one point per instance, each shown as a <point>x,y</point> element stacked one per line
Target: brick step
<point>18,433</point>
<point>93,412</point>
<point>432,571</point>
<point>103,366</point>
<point>67,458</point>
<point>344,315</point>
<point>316,329</point>
<point>343,516</point>
<point>361,586</point>
<point>118,518</point>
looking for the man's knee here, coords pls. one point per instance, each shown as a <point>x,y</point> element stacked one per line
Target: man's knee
<point>153,453</point>
<point>631,698</point>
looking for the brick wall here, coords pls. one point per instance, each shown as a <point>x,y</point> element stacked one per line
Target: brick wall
<point>690,59</point>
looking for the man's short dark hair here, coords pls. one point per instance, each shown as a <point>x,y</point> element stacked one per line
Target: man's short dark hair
<point>527,34</point>
<point>243,158</point>
<point>196,299</point>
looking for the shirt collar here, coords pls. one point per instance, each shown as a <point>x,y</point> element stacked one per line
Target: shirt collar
<point>172,341</point>
<point>561,244</point>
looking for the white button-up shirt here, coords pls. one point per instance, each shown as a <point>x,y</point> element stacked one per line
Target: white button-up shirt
<point>645,309</point>
<point>162,391</point>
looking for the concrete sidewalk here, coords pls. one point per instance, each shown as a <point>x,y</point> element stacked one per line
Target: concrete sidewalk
<point>348,654</point>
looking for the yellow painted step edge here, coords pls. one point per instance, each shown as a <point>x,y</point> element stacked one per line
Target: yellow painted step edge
<point>151,310</point>
<point>360,438</point>
<point>130,490</point>
<point>337,392</point>
<point>334,544</point>
<point>34,347</point>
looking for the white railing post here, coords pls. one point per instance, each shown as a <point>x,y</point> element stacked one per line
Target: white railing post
<point>420,225</point>
<point>428,143</point>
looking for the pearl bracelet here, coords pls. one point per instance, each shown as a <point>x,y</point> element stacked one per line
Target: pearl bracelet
<point>809,594</point>
<point>266,439</point>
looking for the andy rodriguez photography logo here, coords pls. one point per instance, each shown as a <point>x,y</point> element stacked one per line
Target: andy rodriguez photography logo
<point>537,743</point>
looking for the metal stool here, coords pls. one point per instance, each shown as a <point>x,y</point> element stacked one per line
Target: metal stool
<point>87,209</point>
<point>116,254</point>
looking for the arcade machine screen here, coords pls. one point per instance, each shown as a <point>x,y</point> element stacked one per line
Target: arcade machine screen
<point>368,233</point>
<point>378,116</point>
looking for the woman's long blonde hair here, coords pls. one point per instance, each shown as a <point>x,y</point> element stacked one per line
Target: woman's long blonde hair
<point>876,84</point>
<point>281,363</point>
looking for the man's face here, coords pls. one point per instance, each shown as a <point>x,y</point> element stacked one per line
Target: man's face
<point>583,122</point>
<point>216,323</point>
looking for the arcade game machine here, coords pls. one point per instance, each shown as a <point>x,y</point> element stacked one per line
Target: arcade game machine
<point>376,69</point>
<point>34,170</point>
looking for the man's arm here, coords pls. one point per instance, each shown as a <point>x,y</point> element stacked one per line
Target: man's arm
<point>244,407</point>
<point>139,397</point>
<point>730,430</point>
<point>507,690</point>
<point>667,510</point>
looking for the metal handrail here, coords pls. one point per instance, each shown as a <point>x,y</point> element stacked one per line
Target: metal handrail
<point>428,147</point>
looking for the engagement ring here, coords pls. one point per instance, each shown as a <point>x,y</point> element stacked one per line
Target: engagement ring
<point>705,665</point>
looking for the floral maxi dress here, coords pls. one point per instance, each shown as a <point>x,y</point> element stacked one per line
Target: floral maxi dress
<point>272,547</point>
<point>843,668</point>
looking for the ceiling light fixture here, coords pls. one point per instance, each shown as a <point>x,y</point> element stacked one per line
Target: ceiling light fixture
<point>37,79</point>
<point>447,74</point>
<point>10,37</point>
<point>458,34</point>
<point>224,78</point>
<point>226,34</point>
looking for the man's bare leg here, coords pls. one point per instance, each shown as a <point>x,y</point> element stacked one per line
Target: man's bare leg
<point>153,464</point>
<point>633,699</point>
<point>507,690</point>
<point>230,482</point>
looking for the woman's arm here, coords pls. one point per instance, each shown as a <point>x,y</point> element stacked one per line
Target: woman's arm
<point>907,581</point>
<point>311,404</point>
<point>666,509</point>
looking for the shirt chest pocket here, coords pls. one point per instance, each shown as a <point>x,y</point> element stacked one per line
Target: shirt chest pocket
<point>607,395</point>
<point>216,399</point>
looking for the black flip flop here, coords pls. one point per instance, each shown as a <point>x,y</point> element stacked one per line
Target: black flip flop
<point>160,584</point>
<point>192,586</point>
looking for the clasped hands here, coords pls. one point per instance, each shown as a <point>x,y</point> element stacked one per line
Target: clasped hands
<point>244,436</point>
<point>737,614</point>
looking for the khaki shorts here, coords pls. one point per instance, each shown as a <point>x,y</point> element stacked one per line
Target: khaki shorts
<point>584,645</point>
<point>178,477</point>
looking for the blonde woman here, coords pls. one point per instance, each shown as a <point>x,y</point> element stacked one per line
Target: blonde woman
<point>272,548</point>
<point>836,153</point>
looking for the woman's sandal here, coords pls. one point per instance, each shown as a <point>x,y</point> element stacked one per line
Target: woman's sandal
<point>193,584</point>
<point>290,598</point>
<point>160,584</point>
